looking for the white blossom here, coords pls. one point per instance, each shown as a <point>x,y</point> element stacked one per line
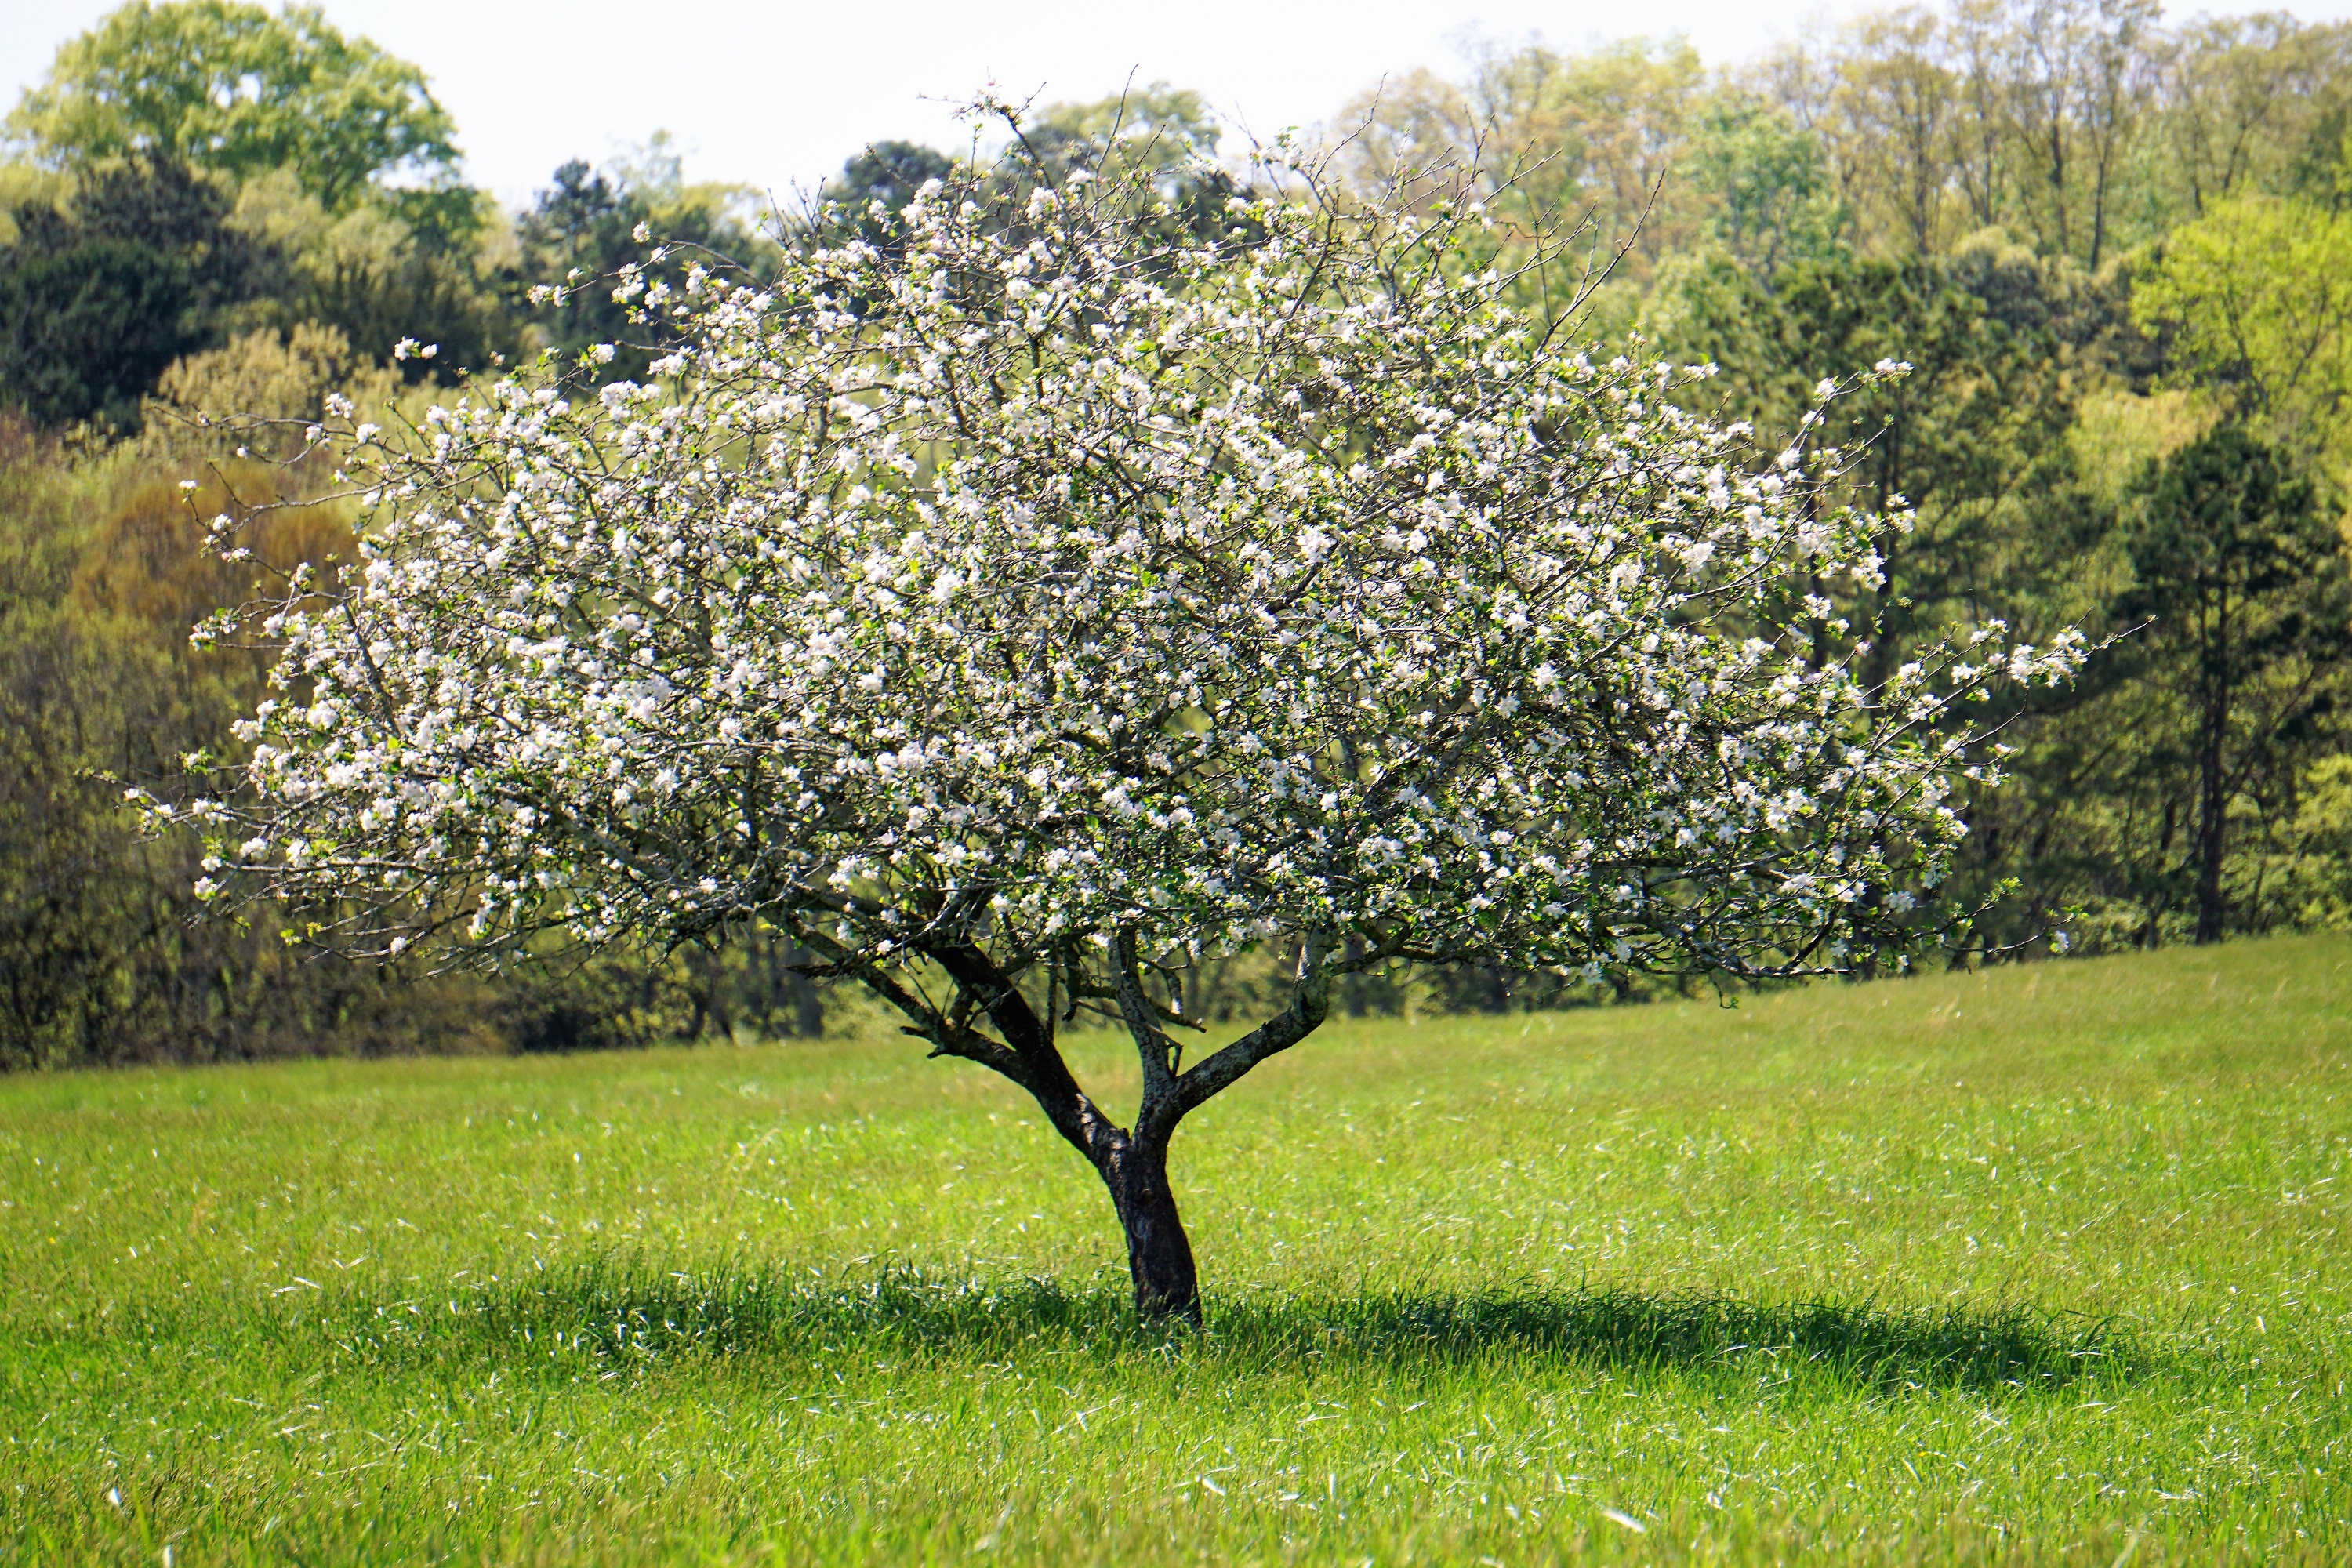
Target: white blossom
<point>1051,581</point>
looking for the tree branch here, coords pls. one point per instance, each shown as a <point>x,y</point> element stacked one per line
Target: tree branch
<point>1044,1072</point>
<point>1310,1003</point>
<point>1152,1046</point>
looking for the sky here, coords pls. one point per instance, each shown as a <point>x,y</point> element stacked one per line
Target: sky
<point>777,95</point>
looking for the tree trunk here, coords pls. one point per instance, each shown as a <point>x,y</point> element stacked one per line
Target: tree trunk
<point>2212,807</point>
<point>1159,1254</point>
<point>1133,1165</point>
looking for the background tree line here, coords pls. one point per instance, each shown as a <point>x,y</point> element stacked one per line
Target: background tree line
<point>2114,250</point>
<point>2116,254</point>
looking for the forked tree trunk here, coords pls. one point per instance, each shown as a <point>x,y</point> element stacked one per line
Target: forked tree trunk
<point>1159,1254</point>
<point>1132,1164</point>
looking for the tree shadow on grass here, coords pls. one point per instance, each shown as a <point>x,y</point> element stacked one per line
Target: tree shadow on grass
<point>632,1314</point>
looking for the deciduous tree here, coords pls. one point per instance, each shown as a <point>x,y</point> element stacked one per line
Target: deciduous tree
<point>135,268</point>
<point>2256,297</point>
<point>226,86</point>
<point>2243,581</point>
<point>1019,617</point>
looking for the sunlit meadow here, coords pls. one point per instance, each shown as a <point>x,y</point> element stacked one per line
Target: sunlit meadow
<point>2046,1265</point>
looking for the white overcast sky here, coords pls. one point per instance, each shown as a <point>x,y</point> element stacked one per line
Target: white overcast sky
<point>780,93</point>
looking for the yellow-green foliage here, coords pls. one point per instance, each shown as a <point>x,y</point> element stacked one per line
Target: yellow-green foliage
<point>232,86</point>
<point>2117,434</point>
<point>2045,1265</point>
<point>258,390</point>
<point>2258,294</point>
<point>21,184</point>
<point>103,570</point>
<point>1552,134</point>
<point>366,269</point>
<point>2307,880</point>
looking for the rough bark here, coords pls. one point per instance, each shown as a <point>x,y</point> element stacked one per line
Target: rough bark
<point>1133,1165</point>
<point>1159,1253</point>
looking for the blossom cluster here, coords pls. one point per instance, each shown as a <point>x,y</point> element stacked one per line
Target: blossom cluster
<point>1050,572</point>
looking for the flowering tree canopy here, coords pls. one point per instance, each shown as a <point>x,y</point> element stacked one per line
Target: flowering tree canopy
<point>1019,609</point>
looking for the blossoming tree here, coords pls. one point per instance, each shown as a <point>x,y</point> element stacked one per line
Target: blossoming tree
<point>1016,613</point>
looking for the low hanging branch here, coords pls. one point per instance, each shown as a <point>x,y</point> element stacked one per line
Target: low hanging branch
<point>1067,589</point>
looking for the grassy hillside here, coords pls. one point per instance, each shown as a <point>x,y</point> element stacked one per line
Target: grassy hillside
<point>2052,1260</point>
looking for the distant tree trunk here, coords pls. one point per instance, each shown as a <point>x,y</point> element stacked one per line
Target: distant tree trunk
<point>788,981</point>
<point>808,1007</point>
<point>2212,809</point>
<point>2159,897</point>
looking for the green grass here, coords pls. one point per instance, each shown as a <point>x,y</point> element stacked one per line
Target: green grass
<point>2048,1265</point>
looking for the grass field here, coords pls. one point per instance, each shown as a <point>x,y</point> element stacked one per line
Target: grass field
<point>2049,1264</point>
